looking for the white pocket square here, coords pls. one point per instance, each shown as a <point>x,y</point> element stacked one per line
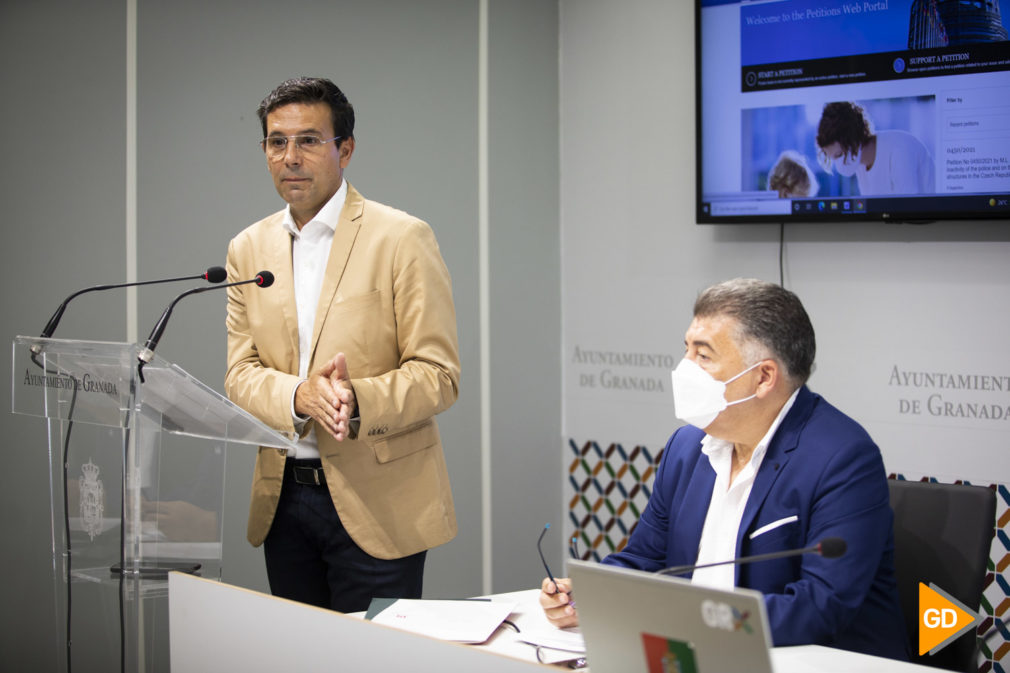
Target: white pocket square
<point>773,525</point>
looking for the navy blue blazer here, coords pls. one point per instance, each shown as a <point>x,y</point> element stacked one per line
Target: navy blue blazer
<point>822,468</point>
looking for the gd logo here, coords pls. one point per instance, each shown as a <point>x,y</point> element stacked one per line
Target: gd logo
<point>942,619</point>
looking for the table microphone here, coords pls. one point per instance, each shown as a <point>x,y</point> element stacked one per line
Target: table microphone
<point>214,274</point>
<point>262,279</point>
<point>829,547</point>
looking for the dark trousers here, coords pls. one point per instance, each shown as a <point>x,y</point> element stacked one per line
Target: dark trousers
<point>310,558</point>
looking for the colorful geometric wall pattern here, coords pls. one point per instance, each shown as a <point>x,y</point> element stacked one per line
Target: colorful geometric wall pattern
<point>996,597</point>
<point>609,487</point>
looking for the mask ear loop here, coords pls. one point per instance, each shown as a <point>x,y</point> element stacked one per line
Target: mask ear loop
<point>731,380</point>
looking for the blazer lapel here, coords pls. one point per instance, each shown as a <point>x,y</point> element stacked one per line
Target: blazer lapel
<point>343,240</point>
<point>782,445</point>
<point>277,252</point>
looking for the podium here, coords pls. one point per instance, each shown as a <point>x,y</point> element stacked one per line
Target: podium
<point>137,473</point>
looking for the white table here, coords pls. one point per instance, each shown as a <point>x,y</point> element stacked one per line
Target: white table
<point>218,627</point>
<point>799,659</point>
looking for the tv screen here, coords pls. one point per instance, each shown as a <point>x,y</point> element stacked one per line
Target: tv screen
<point>872,110</point>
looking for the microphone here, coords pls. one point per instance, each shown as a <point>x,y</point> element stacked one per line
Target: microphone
<point>214,274</point>
<point>829,547</point>
<point>262,279</point>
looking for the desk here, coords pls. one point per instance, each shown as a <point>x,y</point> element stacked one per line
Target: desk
<point>218,627</point>
<point>820,659</point>
<point>799,659</point>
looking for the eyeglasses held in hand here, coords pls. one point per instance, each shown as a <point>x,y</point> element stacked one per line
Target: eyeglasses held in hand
<point>543,560</point>
<point>550,576</point>
<point>276,146</point>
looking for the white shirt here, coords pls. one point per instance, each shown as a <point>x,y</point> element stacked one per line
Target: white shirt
<point>310,253</point>
<point>902,165</point>
<point>725,509</point>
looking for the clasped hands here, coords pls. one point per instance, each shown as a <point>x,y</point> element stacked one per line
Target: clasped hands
<point>327,396</point>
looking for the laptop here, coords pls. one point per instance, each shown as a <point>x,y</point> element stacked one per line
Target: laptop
<point>638,622</point>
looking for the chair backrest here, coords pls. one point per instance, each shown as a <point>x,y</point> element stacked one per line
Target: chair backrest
<point>942,534</point>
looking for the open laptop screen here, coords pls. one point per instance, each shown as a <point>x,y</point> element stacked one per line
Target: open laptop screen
<point>637,622</point>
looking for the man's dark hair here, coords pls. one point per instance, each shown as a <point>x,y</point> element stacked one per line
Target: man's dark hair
<point>309,90</point>
<point>769,315</point>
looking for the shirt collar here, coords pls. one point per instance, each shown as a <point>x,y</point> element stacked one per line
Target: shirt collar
<point>713,447</point>
<point>328,215</point>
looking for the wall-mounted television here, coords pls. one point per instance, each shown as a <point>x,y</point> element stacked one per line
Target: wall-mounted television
<point>852,110</point>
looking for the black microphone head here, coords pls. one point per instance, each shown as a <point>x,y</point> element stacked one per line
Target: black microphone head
<point>264,279</point>
<point>215,274</point>
<point>832,547</point>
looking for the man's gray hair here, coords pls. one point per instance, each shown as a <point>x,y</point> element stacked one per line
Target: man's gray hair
<point>767,315</point>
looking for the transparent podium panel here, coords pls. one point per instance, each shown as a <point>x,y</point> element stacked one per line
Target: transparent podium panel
<point>137,460</point>
<point>102,383</point>
<point>88,382</point>
<point>174,503</point>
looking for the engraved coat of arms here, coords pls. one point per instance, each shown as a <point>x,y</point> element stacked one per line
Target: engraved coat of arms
<point>92,499</point>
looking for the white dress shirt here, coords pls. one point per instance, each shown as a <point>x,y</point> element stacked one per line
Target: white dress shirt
<point>310,253</point>
<point>725,510</point>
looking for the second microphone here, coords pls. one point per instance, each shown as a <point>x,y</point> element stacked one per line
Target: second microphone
<point>262,279</point>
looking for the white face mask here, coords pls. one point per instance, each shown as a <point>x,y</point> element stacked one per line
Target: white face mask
<point>847,165</point>
<point>697,397</point>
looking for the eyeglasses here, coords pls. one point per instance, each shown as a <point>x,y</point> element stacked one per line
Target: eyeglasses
<point>276,146</point>
<point>572,548</point>
<point>542,559</point>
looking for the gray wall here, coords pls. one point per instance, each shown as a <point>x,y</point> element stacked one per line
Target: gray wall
<point>64,212</point>
<point>412,72</point>
<point>525,297</point>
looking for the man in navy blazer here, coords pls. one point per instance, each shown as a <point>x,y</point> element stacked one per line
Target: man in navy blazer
<point>775,468</point>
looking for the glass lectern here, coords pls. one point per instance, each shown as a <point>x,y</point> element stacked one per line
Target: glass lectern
<point>137,472</point>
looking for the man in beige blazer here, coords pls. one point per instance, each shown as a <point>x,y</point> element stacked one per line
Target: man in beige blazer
<point>354,350</point>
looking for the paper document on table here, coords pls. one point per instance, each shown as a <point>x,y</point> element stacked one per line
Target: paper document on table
<point>458,621</point>
<point>556,639</point>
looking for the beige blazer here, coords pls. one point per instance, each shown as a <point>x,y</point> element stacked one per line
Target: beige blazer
<point>386,303</point>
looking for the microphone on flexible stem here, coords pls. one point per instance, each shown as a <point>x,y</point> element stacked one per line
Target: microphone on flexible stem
<point>829,547</point>
<point>262,279</point>
<point>214,274</point>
